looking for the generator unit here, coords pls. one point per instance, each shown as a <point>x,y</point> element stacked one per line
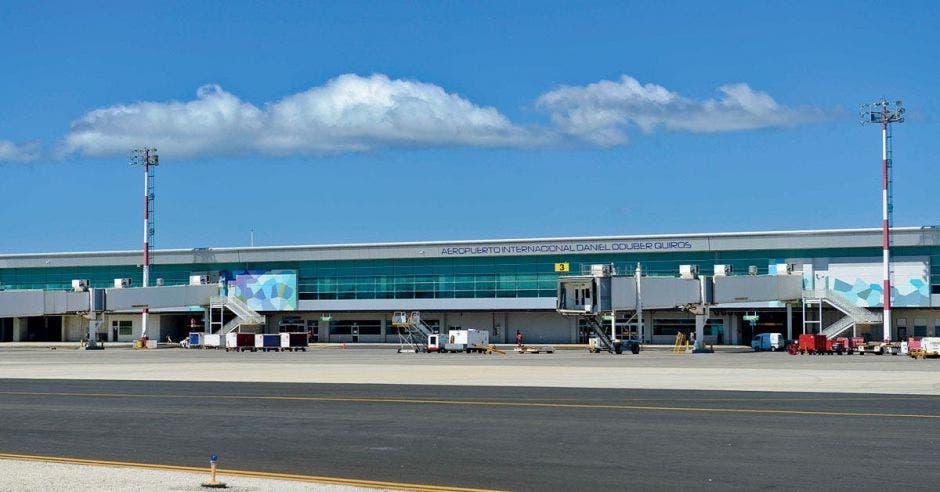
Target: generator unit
<point>722,270</point>
<point>688,271</point>
<point>198,280</point>
<point>465,341</point>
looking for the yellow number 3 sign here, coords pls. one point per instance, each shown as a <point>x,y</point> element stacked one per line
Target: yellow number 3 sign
<point>561,267</point>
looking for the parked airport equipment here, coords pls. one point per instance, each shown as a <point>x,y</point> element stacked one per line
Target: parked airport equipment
<point>927,347</point>
<point>239,342</point>
<point>195,340</point>
<point>813,344</point>
<point>468,341</point>
<point>268,342</point>
<point>212,341</point>
<point>294,341</point>
<point>770,342</point>
<point>414,335</point>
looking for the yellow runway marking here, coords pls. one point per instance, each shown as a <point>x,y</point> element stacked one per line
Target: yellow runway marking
<point>518,404</point>
<point>243,473</point>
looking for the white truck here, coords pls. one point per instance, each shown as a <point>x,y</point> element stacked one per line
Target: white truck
<point>463,341</point>
<point>767,341</point>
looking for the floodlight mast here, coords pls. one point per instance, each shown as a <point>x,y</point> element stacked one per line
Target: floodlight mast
<point>879,112</point>
<point>148,158</point>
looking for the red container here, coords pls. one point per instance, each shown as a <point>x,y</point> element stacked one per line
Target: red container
<point>913,344</point>
<point>245,340</point>
<point>298,340</point>
<point>856,342</point>
<point>813,343</point>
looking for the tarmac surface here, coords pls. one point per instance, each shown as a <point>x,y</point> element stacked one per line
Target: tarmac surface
<point>659,369</point>
<point>494,437</point>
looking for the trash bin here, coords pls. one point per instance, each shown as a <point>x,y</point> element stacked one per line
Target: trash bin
<point>618,347</point>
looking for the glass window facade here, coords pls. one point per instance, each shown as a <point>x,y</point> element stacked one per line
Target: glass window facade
<point>443,278</point>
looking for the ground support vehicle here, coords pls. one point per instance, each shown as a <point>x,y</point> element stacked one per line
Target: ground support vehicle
<point>211,341</point>
<point>294,341</point>
<point>596,344</point>
<point>194,340</point>
<point>927,347</point>
<point>813,344</point>
<point>239,342</point>
<point>532,349</point>
<point>464,341</point>
<point>268,342</point>
<point>490,349</point>
<point>767,342</point>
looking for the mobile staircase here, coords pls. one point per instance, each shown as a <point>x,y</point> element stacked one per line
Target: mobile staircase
<point>244,315</point>
<point>412,332</point>
<point>853,315</point>
<point>603,338</point>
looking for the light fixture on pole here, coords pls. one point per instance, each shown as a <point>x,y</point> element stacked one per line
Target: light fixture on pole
<point>147,158</point>
<point>880,112</point>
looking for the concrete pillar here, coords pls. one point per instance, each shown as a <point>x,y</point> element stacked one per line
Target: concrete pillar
<point>19,329</point>
<point>735,329</point>
<point>726,328</point>
<point>700,320</point>
<point>789,321</point>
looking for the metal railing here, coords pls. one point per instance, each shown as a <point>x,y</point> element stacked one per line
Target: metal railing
<point>858,314</point>
<point>244,315</point>
<point>837,328</point>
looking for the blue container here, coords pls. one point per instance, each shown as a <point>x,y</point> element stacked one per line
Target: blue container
<point>195,339</point>
<point>271,341</point>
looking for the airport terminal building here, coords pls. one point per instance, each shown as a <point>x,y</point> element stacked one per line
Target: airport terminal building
<point>348,293</point>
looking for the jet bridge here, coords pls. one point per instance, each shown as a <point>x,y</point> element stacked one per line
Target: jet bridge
<point>22,303</point>
<point>92,303</point>
<point>595,295</point>
<point>604,291</point>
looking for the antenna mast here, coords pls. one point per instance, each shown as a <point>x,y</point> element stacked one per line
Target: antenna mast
<point>880,112</point>
<point>148,158</point>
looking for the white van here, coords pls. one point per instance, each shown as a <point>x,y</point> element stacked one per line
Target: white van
<point>767,341</point>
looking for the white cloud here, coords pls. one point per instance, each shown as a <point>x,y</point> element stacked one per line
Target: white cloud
<point>348,113</point>
<point>353,113</point>
<point>11,152</point>
<point>602,112</point>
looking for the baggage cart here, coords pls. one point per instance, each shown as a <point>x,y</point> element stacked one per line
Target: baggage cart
<point>813,344</point>
<point>210,341</point>
<point>239,342</point>
<point>268,342</point>
<point>294,341</point>
<point>195,339</point>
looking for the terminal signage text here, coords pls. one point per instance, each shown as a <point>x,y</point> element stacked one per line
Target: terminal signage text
<point>593,247</point>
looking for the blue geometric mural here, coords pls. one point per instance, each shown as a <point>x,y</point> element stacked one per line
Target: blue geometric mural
<point>266,290</point>
<point>906,291</point>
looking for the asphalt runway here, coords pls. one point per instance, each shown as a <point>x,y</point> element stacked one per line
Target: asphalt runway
<point>488,437</point>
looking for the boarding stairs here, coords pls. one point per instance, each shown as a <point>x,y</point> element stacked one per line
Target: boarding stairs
<point>244,315</point>
<point>854,315</point>
<point>413,333</point>
<point>600,331</point>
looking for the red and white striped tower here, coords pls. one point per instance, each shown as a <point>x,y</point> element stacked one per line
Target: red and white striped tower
<point>885,224</point>
<point>879,112</point>
<point>148,158</point>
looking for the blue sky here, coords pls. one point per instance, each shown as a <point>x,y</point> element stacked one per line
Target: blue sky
<point>403,121</point>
